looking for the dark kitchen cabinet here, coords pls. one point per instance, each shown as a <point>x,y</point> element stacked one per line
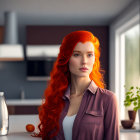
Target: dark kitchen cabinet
<point>21,110</point>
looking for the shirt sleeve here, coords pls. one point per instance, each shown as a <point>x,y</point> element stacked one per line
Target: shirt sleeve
<point>111,119</point>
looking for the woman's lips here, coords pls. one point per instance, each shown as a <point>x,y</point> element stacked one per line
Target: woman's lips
<point>83,69</point>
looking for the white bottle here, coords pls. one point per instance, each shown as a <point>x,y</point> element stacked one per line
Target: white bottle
<point>4,117</point>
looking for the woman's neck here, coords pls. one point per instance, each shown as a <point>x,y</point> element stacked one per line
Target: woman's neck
<point>78,85</point>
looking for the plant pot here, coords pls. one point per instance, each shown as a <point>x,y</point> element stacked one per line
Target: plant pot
<point>132,114</point>
<point>127,124</point>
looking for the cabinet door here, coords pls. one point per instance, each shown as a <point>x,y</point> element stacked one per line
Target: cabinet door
<point>21,110</point>
<point>1,34</point>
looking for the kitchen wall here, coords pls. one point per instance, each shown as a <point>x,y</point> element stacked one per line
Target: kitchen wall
<point>13,78</point>
<point>13,74</point>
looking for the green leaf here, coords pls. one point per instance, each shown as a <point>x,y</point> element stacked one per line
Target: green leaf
<point>127,97</point>
<point>132,95</point>
<point>127,93</point>
<point>127,104</point>
<point>133,99</point>
<point>135,108</point>
<point>135,103</point>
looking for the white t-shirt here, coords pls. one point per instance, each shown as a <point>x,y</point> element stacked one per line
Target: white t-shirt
<point>67,126</point>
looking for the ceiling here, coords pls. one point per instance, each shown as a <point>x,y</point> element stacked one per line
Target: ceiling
<point>86,11</point>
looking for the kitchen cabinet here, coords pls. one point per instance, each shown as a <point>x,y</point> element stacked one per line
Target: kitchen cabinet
<point>25,106</point>
<point>1,34</point>
<point>16,110</point>
<point>10,52</point>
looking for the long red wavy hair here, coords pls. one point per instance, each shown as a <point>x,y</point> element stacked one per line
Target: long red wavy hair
<point>51,108</point>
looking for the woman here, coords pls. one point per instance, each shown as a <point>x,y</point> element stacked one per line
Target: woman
<point>76,106</point>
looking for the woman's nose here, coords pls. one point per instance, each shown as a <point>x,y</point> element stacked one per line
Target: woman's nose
<point>84,60</point>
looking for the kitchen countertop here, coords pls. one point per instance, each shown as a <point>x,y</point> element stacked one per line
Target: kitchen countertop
<point>17,129</point>
<point>16,102</point>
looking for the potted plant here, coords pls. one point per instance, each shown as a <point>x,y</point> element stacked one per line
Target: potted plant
<point>133,97</point>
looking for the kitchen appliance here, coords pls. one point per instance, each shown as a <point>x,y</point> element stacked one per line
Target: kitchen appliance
<point>40,61</point>
<point>39,69</point>
<point>11,50</point>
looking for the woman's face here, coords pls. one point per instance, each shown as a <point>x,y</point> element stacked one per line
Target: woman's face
<point>82,57</point>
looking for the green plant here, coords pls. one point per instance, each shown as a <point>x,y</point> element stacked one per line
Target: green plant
<point>133,97</point>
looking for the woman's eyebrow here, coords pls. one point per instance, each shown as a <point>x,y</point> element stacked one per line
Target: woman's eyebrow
<point>87,52</point>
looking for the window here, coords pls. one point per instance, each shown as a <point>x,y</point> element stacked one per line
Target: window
<point>128,65</point>
<point>132,59</point>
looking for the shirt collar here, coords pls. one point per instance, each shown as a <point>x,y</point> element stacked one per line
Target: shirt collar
<point>92,88</point>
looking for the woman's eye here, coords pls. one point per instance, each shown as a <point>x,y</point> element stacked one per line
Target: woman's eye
<point>76,54</point>
<point>90,55</point>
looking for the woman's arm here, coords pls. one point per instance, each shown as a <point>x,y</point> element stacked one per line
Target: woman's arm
<point>111,120</point>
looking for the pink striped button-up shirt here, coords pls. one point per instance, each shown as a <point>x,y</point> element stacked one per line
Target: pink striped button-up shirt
<point>97,117</point>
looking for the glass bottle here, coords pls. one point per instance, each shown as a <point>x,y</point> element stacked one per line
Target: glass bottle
<point>4,117</point>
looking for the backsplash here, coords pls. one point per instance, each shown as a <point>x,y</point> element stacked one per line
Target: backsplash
<point>13,80</point>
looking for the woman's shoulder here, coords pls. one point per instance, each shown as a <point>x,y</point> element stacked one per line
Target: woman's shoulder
<point>108,98</point>
<point>107,94</point>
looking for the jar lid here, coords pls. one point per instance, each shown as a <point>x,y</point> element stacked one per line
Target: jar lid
<point>1,93</point>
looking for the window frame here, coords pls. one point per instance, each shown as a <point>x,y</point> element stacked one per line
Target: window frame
<point>120,62</point>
